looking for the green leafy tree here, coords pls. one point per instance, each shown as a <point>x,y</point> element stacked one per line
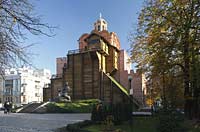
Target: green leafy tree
<point>167,44</point>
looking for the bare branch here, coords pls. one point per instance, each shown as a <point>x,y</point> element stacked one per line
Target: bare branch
<point>16,16</point>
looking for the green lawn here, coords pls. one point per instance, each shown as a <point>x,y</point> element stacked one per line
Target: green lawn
<point>140,124</point>
<point>191,126</point>
<point>80,106</point>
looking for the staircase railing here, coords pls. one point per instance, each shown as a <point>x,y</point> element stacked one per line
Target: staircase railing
<point>123,89</point>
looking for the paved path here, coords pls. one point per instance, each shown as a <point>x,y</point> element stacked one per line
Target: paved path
<point>19,122</point>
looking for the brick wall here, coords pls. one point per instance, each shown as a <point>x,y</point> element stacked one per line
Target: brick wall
<point>60,62</point>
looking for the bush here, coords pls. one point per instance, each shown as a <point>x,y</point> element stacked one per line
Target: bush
<point>53,108</point>
<point>119,112</point>
<point>170,121</point>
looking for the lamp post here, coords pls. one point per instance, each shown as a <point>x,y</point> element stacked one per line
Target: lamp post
<point>130,89</point>
<point>131,96</point>
<point>24,92</point>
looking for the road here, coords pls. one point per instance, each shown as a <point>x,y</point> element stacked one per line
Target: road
<point>20,122</point>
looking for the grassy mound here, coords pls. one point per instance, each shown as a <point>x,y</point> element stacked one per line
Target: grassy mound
<point>79,106</point>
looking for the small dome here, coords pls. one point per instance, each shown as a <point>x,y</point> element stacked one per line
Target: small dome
<point>100,24</point>
<point>102,20</point>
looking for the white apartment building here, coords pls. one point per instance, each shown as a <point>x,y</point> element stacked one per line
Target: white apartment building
<point>1,91</point>
<point>24,85</point>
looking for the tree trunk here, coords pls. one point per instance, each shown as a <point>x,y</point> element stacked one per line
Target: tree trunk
<point>187,93</point>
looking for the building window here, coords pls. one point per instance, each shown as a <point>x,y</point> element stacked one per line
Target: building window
<point>36,94</point>
<point>16,98</point>
<point>115,58</point>
<point>8,83</point>
<point>24,99</point>
<point>16,85</point>
<point>99,28</point>
<point>94,41</point>
<point>8,91</point>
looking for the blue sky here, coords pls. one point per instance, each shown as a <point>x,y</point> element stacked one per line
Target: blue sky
<point>75,17</point>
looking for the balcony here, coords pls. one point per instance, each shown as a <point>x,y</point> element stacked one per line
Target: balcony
<point>8,93</point>
<point>100,46</point>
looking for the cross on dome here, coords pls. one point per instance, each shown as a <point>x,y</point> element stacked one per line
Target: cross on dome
<point>100,16</point>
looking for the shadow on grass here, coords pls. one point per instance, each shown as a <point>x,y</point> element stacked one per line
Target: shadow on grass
<point>139,124</point>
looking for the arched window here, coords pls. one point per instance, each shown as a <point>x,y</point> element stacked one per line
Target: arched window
<point>99,28</point>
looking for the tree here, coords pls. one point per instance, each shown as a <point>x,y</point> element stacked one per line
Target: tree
<point>16,18</point>
<point>168,34</point>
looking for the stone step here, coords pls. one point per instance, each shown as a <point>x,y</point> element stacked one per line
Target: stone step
<point>29,108</point>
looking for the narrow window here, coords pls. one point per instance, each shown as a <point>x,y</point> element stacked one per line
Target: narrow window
<point>99,28</point>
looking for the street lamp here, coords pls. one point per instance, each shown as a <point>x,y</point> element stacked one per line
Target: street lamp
<point>130,78</point>
<point>130,89</point>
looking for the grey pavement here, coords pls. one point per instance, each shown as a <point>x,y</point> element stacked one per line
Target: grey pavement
<point>20,122</point>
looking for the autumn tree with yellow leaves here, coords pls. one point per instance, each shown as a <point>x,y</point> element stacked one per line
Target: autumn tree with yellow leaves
<point>167,47</point>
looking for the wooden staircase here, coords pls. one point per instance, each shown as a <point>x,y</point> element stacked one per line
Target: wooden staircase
<point>123,90</point>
